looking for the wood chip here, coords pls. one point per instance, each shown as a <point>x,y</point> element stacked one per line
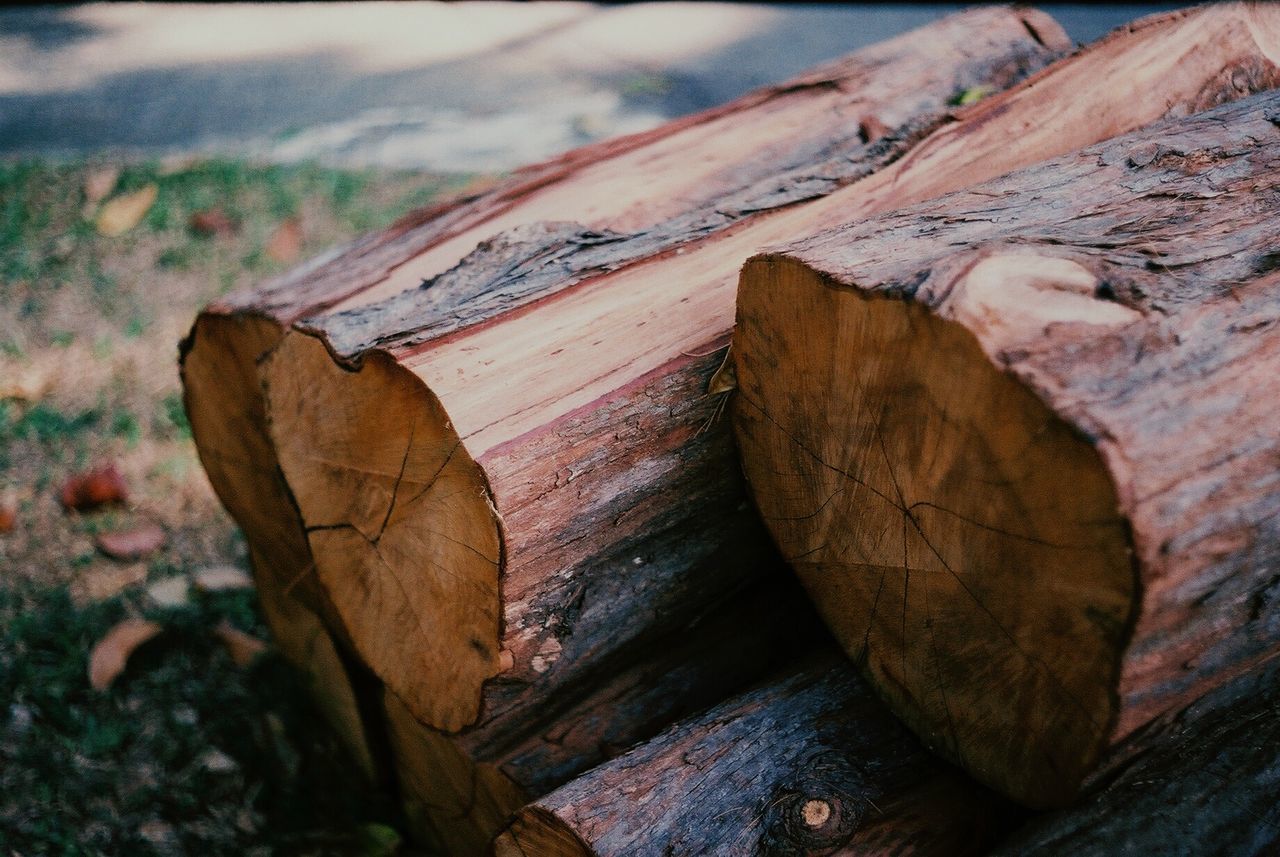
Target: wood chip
<point>94,488</point>
<point>124,212</point>
<point>243,648</point>
<point>110,654</point>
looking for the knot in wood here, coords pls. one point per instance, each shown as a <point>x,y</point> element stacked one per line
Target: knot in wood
<point>817,812</point>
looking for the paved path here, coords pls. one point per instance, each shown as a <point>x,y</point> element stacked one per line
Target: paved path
<point>474,86</point>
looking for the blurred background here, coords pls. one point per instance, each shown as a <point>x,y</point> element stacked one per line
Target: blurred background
<point>153,158</point>
<point>469,86</point>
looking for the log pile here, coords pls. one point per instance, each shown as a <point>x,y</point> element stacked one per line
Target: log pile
<point>1011,432</point>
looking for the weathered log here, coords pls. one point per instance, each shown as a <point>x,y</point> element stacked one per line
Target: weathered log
<point>766,149</point>
<point>1020,441</point>
<point>1202,781</point>
<point>808,763</point>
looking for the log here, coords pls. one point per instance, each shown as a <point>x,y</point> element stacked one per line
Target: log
<point>767,149</point>
<point>1200,781</point>
<point>807,763</point>
<point>1019,442</point>
<point>458,791</point>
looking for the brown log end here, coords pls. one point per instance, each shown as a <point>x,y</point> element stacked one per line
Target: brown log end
<point>534,832</point>
<point>961,539</point>
<point>401,523</point>
<point>224,403</point>
<point>453,804</point>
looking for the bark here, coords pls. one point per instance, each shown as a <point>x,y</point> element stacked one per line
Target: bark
<point>769,148</point>
<point>809,763</point>
<point>1199,781</point>
<point>1019,442</point>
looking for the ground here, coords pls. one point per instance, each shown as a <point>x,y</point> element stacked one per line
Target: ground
<point>186,753</point>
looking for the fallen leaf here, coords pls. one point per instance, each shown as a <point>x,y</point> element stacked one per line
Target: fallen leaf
<point>972,95</point>
<point>285,244</point>
<point>133,543</point>
<point>220,578</point>
<point>93,488</point>
<point>26,383</point>
<point>243,648</point>
<point>379,840</point>
<point>8,516</point>
<point>170,592</point>
<point>111,653</point>
<point>211,222</point>
<point>99,584</point>
<point>160,834</point>
<point>99,182</point>
<point>217,762</point>
<point>122,213</point>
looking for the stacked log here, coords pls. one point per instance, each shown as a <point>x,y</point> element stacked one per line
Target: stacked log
<point>808,763</point>
<point>497,515</point>
<point>440,655</point>
<point>1020,442</point>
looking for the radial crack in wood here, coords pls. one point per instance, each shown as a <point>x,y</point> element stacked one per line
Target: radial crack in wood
<point>403,527</point>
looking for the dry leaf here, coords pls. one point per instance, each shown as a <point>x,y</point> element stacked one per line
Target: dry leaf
<point>220,578</point>
<point>285,243</point>
<point>99,182</point>
<point>133,543</point>
<point>243,648</point>
<point>8,516</point>
<point>121,214</point>
<point>99,584</point>
<point>26,384</point>
<point>93,488</point>
<point>170,592</point>
<point>111,653</point>
<point>217,762</point>
<point>212,222</point>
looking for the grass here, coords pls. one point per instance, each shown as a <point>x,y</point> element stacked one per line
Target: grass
<point>186,753</point>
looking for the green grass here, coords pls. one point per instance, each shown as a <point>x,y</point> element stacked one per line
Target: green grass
<point>83,771</point>
<point>48,239</point>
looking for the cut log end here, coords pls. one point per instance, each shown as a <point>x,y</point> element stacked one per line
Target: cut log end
<point>965,543</point>
<point>534,832</point>
<point>400,520</point>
